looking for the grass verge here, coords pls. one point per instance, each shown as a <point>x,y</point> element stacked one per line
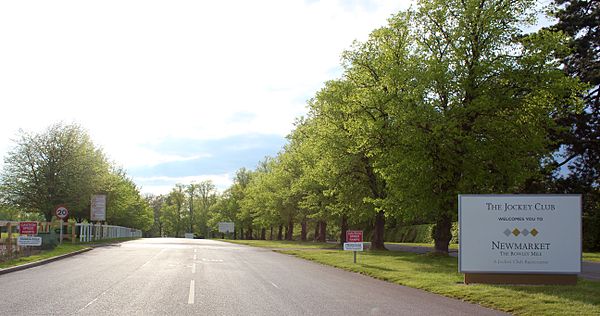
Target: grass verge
<point>282,244</point>
<point>440,275</point>
<point>587,256</point>
<point>45,254</point>
<point>591,256</point>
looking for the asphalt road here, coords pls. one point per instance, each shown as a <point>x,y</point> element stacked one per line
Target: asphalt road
<point>204,277</point>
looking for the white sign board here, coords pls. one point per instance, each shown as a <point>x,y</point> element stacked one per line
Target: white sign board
<point>353,246</point>
<point>520,233</point>
<point>226,227</point>
<point>98,208</point>
<point>29,241</point>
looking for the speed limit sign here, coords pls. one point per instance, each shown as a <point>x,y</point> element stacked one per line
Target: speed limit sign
<point>61,212</point>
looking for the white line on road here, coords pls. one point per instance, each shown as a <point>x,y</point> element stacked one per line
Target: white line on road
<point>156,255</point>
<point>275,285</point>
<point>194,257</point>
<point>193,268</point>
<point>195,250</point>
<point>191,296</point>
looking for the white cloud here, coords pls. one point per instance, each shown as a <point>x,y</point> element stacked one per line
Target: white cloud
<point>139,72</point>
<point>164,184</point>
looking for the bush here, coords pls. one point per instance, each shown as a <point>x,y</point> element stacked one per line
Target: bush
<point>417,234</point>
<point>49,240</point>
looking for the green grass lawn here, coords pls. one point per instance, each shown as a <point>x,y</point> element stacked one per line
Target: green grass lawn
<point>45,254</point>
<point>440,275</point>
<point>282,244</point>
<point>591,256</point>
<point>587,256</point>
<point>416,244</point>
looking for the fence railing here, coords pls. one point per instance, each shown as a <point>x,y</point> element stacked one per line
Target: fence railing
<point>89,232</point>
<point>83,232</point>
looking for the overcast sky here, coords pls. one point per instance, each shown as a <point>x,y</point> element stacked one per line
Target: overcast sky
<point>174,91</point>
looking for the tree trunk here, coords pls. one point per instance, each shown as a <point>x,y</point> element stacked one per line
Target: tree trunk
<point>303,230</point>
<point>290,230</point>
<point>317,224</point>
<point>280,232</point>
<point>263,233</point>
<point>442,233</point>
<point>249,233</point>
<point>343,229</point>
<point>378,230</point>
<point>234,234</point>
<point>322,231</point>
<point>271,235</point>
<point>241,232</point>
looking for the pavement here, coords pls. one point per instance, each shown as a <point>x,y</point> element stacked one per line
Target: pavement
<point>165,276</point>
<point>589,270</point>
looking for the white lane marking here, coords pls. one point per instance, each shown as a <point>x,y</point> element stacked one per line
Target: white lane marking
<point>92,302</point>
<point>101,294</point>
<point>195,250</point>
<point>275,285</point>
<point>191,296</point>
<point>156,255</point>
<point>194,257</point>
<point>193,268</point>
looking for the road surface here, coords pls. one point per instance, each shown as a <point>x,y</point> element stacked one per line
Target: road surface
<point>166,276</point>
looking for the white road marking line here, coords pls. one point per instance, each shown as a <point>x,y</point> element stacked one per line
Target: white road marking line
<point>156,255</point>
<point>275,285</point>
<point>194,257</point>
<point>191,296</point>
<point>101,294</point>
<point>195,250</point>
<point>193,268</point>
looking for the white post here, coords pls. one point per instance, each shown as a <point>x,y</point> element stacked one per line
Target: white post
<point>61,230</point>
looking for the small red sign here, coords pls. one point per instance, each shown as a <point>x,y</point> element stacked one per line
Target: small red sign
<point>354,236</point>
<point>28,228</point>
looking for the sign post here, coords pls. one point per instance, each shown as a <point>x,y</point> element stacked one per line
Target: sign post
<point>354,241</point>
<point>520,239</point>
<point>62,213</point>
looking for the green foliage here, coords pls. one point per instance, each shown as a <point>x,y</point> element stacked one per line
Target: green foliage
<point>417,234</point>
<point>58,166</point>
<point>61,165</point>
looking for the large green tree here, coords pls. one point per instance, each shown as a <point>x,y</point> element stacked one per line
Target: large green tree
<point>60,165</point>
<point>578,143</point>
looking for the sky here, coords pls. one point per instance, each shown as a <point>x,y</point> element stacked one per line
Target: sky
<point>174,91</point>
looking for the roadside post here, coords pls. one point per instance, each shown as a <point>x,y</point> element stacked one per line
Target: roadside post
<point>61,212</point>
<point>354,241</point>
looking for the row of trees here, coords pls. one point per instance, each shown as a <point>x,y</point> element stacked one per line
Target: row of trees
<point>61,165</point>
<point>187,208</point>
<point>450,97</point>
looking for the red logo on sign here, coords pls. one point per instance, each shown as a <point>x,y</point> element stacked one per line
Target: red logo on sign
<point>354,236</point>
<point>28,228</point>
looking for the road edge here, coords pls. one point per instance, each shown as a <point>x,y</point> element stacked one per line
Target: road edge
<point>42,262</point>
